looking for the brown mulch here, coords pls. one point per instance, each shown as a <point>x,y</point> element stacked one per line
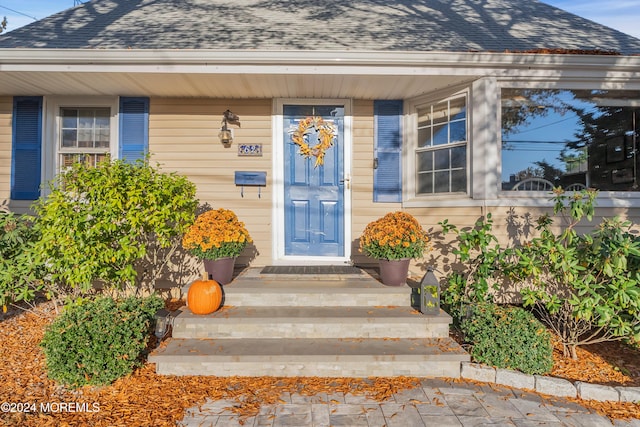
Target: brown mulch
<point>611,363</point>
<point>145,398</point>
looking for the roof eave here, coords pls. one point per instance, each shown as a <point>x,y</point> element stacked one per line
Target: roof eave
<point>168,57</point>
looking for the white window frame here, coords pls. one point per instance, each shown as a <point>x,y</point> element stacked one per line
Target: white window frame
<point>52,123</point>
<point>411,197</point>
<point>605,199</point>
<point>484,129</point>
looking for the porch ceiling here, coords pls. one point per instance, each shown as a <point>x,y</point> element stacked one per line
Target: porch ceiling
<point>310,74</point>
<point>223,85</point>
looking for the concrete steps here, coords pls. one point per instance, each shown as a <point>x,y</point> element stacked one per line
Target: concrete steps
<point>311,322</point>
<point>336,326</point>
<point>303,357</point>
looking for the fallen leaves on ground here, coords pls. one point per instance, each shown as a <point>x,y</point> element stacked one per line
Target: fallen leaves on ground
<point>613,363</point>
<point>145,398</point>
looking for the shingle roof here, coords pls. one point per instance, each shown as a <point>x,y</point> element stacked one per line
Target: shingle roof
<point>363,25</point>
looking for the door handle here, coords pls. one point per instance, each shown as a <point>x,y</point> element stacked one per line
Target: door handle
<point>346,181</point>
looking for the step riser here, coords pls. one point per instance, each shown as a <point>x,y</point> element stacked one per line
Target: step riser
<point>349,369</point>
<point>357,329</point>
<point>320,299</point>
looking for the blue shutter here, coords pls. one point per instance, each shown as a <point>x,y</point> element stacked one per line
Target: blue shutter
<point>26,151</point>
<point>134,129</point>
<point>387,176</point>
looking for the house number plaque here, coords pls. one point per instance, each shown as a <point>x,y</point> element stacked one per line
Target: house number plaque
<point>249,150</point>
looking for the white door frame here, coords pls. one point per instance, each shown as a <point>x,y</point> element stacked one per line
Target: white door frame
<point>278,241</point>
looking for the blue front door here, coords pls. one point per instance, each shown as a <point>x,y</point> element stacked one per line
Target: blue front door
<point>314,196</point>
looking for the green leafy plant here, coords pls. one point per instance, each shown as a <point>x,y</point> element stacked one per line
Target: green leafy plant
<point>19,273</point>
<point>585,287</point>
<point>396,235</point>
<point>480,260</point>
<point>508,338</point>
<point>94,342</point>
<point>109,222</point>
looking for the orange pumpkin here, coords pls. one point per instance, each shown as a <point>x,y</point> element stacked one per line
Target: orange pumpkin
<point>204,296</point>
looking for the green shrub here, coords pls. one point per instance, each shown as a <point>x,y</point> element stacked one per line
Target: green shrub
<point>94,342</point>
<point>109,222</point>
<point>19,273</point>
<point>481,264</point>
<point>509,338</point>
<point>586,287</point>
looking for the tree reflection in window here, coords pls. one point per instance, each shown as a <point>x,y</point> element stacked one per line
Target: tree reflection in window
<point>572,138</point>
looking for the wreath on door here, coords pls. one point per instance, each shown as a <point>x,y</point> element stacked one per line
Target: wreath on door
<point>326,134</point>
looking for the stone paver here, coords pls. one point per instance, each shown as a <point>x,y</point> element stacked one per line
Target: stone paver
<point>437,402</point>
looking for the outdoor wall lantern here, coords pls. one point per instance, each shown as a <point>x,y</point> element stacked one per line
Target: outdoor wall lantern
<point>225,135</point>
<point>426,296</point>
<point>163,321</point>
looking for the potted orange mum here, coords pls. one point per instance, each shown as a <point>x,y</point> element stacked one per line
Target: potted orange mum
<point>394,240</point>
<point>217,237</point>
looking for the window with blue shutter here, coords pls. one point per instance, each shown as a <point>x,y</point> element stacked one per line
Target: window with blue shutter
<point>387,175</point>
<point>134,128</point>
<point>26,150</point>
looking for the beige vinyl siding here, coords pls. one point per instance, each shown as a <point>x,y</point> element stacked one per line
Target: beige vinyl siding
<point>364,210</point>
<point>6,111</point>
<point>183,138</point>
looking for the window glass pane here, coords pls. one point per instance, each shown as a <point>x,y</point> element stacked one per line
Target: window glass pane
<point>459,157</point>
<point>425,161</point>
<point>85,138</point>
<point>102,120</point>
<point>298,110</point>
<point>441,112</point>
<point>424,117</point>
<point>424,137</point>
<point>69,118</point>
<point>69,138</point>
<point>440,134</point>
<point>458,131</point>
<point>86,119</point>
<point>441,182</point>
<point>102,139</point>
<point>67,160</point>
<point>441,159</point>
<point>570,138</point>
<point>459,180</point>
<point>425,183</point>
<point>458,109</point>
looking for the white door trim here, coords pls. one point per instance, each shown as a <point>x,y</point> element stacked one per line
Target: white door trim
<point>277,239</point>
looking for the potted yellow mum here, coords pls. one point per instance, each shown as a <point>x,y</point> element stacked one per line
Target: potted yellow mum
<point>217,237</point>
<point>394,240</point>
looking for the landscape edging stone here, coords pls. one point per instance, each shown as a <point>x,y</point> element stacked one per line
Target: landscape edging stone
<point>552,386</point>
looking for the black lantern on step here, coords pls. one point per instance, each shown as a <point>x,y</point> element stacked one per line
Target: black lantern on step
<point>426,296</point>
<point>163,321</point>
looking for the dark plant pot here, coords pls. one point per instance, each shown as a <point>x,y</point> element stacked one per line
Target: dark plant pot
<point>220,270</point>
<point>394,272</point>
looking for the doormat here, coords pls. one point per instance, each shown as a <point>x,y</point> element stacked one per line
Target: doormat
<point>310,269</point>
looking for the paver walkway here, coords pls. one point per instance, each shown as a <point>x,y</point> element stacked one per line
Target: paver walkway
<point>437,403</point>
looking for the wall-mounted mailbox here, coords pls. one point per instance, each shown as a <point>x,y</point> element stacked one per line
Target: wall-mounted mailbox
<point>250,179</point>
